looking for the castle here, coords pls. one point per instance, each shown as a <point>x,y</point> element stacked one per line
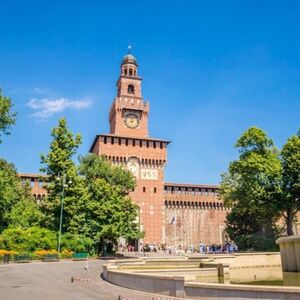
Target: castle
<point>173,214</point>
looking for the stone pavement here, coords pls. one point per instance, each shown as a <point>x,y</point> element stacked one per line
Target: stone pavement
<point>52,281</point>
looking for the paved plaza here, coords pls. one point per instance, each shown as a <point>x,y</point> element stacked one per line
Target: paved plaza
<point>49,281</point>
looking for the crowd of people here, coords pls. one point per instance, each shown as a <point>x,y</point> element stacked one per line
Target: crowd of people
<point>227,247</point>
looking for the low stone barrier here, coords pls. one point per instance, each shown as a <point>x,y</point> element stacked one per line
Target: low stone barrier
<point>211,291</point>
<point>161,281</point>
<point>160,284</point>
<point>256,259</point>
<point>290,253</point>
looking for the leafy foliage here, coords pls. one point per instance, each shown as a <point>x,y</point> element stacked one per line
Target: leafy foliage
<point>92,166</point>
<point>7,118</point>
<point>17,207</point>
<point>110,213</point>
<point>62,177</point>
<point>257,242</point>
<point>77,243</point>
<point>290,158</point>
<point>12,193</point>
<point>262,185</point>
<point>26,212</point>
<point>27,240</point>
<point>252,186</point>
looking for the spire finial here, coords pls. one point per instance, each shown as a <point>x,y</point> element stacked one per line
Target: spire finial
<point>129,49</point>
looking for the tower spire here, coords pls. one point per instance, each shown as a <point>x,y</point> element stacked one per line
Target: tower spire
<point>129,48</point>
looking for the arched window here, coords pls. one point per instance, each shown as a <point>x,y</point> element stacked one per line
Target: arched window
<point>130,89</point>
<point>130,72</point>
<point>144,189</point>
<point>125,71</point>
<point>154,190</point>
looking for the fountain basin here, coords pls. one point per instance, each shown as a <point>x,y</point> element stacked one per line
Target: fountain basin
<point>205,277</point>
<point>290,253</point>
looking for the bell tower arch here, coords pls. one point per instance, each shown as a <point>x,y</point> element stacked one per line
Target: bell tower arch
<point>129,112</point>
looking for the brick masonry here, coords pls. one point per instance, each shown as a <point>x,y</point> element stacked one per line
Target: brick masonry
<point>193,213</point>
<point>36,183</point>
<point>199,214</point>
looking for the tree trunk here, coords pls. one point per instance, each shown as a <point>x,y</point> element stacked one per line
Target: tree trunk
<point>289,221</point>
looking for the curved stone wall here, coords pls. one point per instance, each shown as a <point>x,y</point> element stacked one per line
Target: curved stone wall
<point>154,276</point>
<point>290,253</point>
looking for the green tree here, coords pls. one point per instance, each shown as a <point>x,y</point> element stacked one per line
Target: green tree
<point>252,186</point>
<point>290,157</point>
<point>17,207</point>
<point>62,174</point>
<point>7,118</point>
<point>26,212</point>
<point>110,213</point>
<point>11,191</point>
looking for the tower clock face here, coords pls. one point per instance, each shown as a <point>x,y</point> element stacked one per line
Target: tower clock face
<point>132,120</point>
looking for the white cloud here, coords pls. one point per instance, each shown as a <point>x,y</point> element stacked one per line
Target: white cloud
<point>47,107</point>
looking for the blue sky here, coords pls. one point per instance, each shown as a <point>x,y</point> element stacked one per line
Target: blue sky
<point>210,70</point>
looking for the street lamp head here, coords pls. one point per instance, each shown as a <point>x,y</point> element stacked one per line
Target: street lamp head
<point>57,178</point>
<point>70,182</point>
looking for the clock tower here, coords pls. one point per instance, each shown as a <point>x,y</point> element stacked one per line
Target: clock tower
<point>129,113</point>
<point>128,144</point>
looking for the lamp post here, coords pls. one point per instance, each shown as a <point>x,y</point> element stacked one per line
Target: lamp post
<point>139,239</point>
<point>62,178</point>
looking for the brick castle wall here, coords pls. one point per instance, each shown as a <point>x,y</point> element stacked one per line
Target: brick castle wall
<point>193,213</point>
<point>149,158</point>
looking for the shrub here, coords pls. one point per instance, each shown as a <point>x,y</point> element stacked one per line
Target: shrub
<point>66,253</point>
<point>40,238</point>
<point>27,240</point>
<point>76,243</point>
<point>4,252</point>
<point>41,253</point>
<point>14,239</point>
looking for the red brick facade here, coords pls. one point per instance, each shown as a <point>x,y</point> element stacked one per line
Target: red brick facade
<point>193,213</point>
<point>38,192</point>
<point>128,144</point>
<point>198,211</point>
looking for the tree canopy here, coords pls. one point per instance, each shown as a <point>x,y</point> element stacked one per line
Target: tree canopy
<point>110,212</point>
<point>7,118</point>
<point>13,195</point>
<point>62,175</point>
<point>290,158</point>
<point>252,186</point>
<point>262,186</point>
<point>25,212</point>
